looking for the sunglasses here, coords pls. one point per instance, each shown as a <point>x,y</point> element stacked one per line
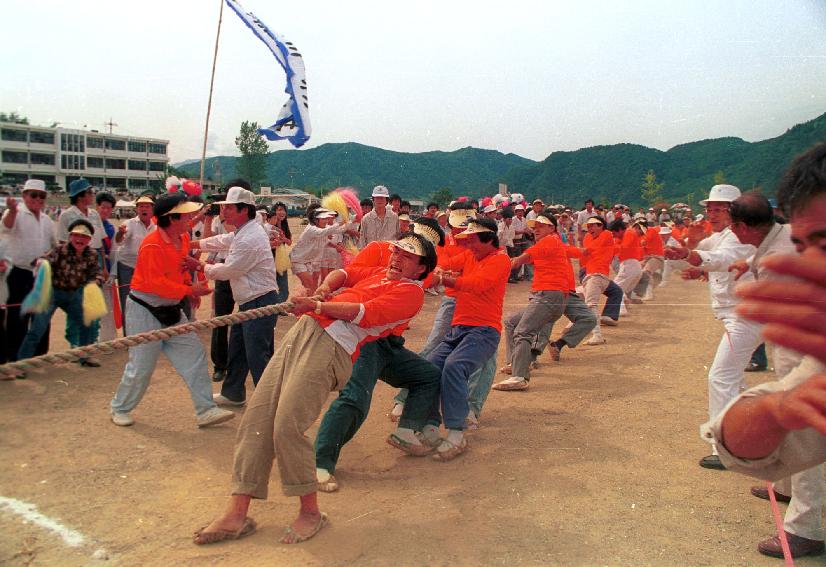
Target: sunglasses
<point>37,195</point>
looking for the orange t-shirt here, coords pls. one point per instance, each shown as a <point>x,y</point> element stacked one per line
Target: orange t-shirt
<point>447,260</point>
<point>677,233</point>
<point>653,245</point>
<point>375,254</point>
<point>572,252</point>
<point>630,248</point>
<point>600,252</point>
<point>481,289</point>
<point>158,269</point>
<point>551,266</point>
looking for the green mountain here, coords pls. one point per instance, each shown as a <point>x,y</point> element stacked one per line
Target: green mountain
<point>615,173</point>
<point>605,173</point>
<point>465,171</point>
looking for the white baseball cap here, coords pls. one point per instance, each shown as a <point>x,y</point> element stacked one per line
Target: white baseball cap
<point>34,185</point>
<point>721,194</point>
<point>238,196</point>
<point>519,206</point>
<point>381,191</point>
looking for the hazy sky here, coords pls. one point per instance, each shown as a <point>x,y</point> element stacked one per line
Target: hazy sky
<point>528,77</point>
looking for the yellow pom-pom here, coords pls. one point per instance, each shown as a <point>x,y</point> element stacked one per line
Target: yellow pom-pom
<point>94,306</point>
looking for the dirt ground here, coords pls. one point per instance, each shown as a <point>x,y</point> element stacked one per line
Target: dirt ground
<point>596,464</point>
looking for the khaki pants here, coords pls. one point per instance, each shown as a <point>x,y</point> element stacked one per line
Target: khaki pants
<point>305,368</point>
<point>594,285</point>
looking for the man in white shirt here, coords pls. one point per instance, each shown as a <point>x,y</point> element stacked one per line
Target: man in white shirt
<point>714,256</point>
<point>381,223</point>
<point>129,236</point>
<point>583,216</point>
<point>250,269</point>
<point>28,233</point>
<point>81,197</point>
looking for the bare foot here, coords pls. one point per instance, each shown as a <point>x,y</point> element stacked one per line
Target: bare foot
<point>226,523</point>
<point>304,527</point>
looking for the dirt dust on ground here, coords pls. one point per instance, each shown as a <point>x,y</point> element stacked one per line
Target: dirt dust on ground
<point>595,464</point>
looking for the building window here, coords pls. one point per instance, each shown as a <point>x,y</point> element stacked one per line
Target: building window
<point>68,161</point>
<point>15,157</point>
<point>137,165</point>
<point>94,162</point>
<point>116,182</point>
<point>157,148</point>
<point>137,183</point>
<point>139,147</point>
<point>41,138</point>
<point>156,184</point>
<point>157,165</point>
<point>41,159</point>
<point>115,163</point>
<point>112,144</point>
<point>72,143</point>
<point>10,135</point>
<point>96,143</point>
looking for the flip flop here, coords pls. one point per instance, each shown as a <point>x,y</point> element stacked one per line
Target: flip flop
<point>452,452</point>
<point>205,538</point>
<point>330,485</point>
<point>299,538</point>
<point>408,447</point>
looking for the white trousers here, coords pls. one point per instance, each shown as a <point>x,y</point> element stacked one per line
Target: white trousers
<point>726,378</point>
<point>630,272</point>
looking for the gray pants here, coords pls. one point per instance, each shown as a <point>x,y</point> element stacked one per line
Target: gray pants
<point>579,314</point>
<point>804,516</point>
<point>522,327</point>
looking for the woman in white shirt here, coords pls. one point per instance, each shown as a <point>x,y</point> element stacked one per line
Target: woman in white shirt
<point>307,253</point>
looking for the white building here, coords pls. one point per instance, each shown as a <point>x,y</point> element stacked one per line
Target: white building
<point>58,156</point>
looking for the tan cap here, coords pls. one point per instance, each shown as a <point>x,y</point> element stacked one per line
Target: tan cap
<point>427,232</point>
<point>81,229</point>
<point>593,220</point>
<point>238,196</point>
<point>145,199</point>
<point>460,217</point>
<point>410,244</point>
<point>473,228</point>
<point>404,217</point>
<point>541,219</point>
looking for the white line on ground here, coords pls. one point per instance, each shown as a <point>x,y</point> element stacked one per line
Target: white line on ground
<point>29,512</point>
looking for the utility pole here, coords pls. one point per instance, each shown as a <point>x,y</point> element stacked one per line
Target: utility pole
<point>110,124</point>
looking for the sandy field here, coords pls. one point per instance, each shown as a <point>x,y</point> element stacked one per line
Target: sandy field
<point>595,464</point>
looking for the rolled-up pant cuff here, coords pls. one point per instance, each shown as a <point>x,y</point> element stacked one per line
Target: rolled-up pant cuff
<point>299,489</point>
<point>251,489</point>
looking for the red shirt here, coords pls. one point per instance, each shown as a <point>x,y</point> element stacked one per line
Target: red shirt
<point>630,248</point>
<point>481,289</point>
<point>653,245</point>
<point>600,252</point>
<point>385,305</point>
<point>158,268</point>
<point>375,254</point>
<point>551,266</point>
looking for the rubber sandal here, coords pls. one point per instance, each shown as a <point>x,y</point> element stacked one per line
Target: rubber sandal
<point>205,538</point>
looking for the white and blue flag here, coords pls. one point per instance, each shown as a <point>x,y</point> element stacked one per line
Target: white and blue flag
<point>293,122</point>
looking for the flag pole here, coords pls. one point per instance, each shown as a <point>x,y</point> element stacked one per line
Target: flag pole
<point>211,83</point>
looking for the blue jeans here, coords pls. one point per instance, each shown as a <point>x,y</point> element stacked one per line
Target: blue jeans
<point>185,352</point>
<point>283,281</point>
<point>463,351</point>
<point>251,345</point>
<point>72,303</point>
<point>612,306</point>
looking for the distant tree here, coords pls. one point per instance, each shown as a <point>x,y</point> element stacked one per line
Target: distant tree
<point>719,178</point>
<point>442,197</point>
<point>13,118</point>
<point>252,165</point>
<point>651,190</point>
<point>689,199</point>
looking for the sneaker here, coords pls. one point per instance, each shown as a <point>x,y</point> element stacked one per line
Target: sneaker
<point>221,400</point>
<point>219,375</point>
<point>396,412</point>
<point>595,340</point>
<point>122,419</point>
<point>471,422</point>
<point>608,322</point>
<point>512,383</point>
<point>214,416</point>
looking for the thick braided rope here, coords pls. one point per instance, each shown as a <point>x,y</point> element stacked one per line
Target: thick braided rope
<point>73,355</point>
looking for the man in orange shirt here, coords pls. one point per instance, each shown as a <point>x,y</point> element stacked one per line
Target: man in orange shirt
<point>629,252</point>
<point>545,304</point>
<point>653,262</point>
<point>315,357</point>
<point>160,284</point>
<point>597,252</point>
<point>474,333</point>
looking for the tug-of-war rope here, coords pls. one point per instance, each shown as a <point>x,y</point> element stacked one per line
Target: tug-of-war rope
<point>12,369</point>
